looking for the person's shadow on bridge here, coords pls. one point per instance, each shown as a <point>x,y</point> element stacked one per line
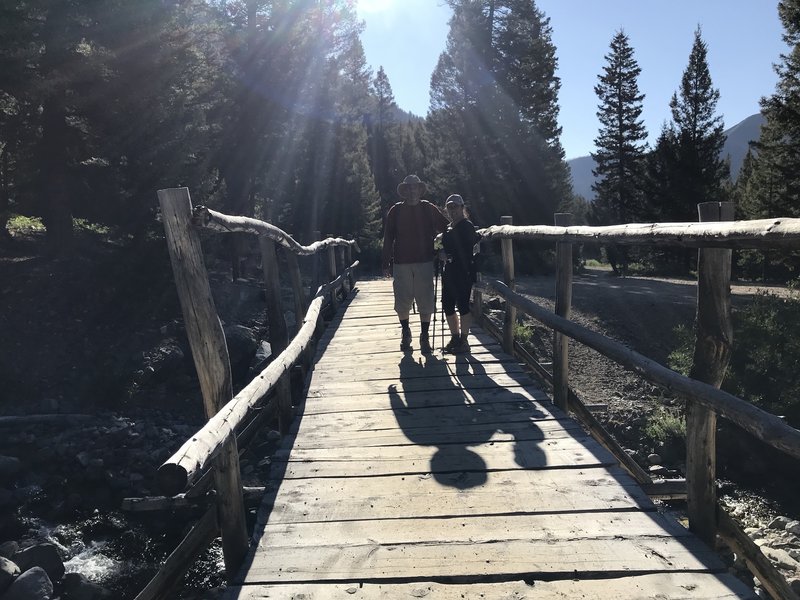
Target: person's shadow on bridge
<point>456,406</point>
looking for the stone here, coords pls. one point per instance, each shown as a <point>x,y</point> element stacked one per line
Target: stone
<point>793,527</point>
<point>778,523</point>
<point>781,558</point>
<point>9,548</point>
<point>33,584</point>
<point>8,572</point>
<point>79,587</point>
<point>42,555</point>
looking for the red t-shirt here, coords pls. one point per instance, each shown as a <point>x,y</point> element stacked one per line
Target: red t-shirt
<point>410,231</point>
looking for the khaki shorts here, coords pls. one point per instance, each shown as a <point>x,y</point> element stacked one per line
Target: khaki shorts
<point>413,281</point>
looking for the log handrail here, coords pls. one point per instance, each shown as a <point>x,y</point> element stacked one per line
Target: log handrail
<point>217,221</point>
<point>765,426</point>
<point>760,233</point>
<point>188,462</point>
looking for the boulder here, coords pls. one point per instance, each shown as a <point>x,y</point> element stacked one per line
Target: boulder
<point>33,584</point>
<point>80,588</point>
<point>8,571</point>
<point>8,549</point>
<point>43,555</point>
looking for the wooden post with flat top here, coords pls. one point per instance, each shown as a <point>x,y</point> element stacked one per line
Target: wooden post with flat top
<point>713,343</point>
<point>210,354</point>
<point>507,246</point>
<point>563,308</point>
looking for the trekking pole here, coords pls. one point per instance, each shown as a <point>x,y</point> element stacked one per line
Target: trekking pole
<point>435,286</point>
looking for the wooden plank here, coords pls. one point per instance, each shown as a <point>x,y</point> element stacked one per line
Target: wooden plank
<point>468,434</point>
<point>664,586</point>
<point>319,404</point>
<point>392,371</point>
<point>408,418</point>
<point>461,493</point>
<point>523,559</point>
<point>421,384</point>
<point>474,529</point>
<point>397,460</point>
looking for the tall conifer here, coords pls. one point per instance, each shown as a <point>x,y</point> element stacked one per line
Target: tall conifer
<point>621,141</point>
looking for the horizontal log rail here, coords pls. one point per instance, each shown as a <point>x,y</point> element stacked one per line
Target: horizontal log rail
<point>761,233</point>
<point>765,426</point>
<point>202,216</point>
<point>193,457</point>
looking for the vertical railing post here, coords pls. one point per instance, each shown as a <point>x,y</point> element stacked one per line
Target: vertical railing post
<point>508,278</point>
<point>563,307</point>
<point>300,300</point>
<point>316,277</point>
<point>210,354</point>
<point>713,343</point>
<point>348,253</point>
<point>332,274</point>
<point>278,333</point>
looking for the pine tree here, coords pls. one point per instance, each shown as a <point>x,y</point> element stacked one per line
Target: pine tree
<point>494,111</point>
<point>776,178</point>
<point>699,174</point>
<point>621,141</point>
<point>385,140</point>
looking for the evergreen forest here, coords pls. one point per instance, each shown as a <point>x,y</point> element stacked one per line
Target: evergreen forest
<point>268,108</point>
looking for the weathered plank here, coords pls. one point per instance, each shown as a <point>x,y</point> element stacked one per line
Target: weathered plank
<point>664,586</point>
<point>461,493</point>
<point>561,452</point>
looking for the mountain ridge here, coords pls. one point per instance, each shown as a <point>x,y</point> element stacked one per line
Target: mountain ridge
<point>738,138</point>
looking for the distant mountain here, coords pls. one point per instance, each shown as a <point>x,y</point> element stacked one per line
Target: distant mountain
<point>738,138</point>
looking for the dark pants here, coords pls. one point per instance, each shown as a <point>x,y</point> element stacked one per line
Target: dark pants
<point>456,290</point>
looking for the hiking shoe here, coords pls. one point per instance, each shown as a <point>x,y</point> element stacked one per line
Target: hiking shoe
<point>405,340</point>
<point>461,347</point>
<point>424,344</point>
<point>454,341</point>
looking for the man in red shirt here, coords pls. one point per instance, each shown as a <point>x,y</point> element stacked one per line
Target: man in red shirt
<point>411,227</point>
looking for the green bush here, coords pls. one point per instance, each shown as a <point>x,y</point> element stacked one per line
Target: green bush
<point>664,428</point>
<point>765,362</point>
<point>23,224</point>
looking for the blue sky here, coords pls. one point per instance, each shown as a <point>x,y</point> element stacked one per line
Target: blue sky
<point>743,39</point>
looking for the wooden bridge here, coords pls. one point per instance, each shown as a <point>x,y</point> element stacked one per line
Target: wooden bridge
<point>411,476</point>
<point>446,477</point>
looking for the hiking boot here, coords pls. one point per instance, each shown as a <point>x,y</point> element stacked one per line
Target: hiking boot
<point>405,340</point>
<point>454,341</point>
<point>462,347</point>
<point>424,344</point>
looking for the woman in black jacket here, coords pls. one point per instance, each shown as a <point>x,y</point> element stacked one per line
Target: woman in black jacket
<point>459,273</point>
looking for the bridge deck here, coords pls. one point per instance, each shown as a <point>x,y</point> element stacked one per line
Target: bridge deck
<point>454,477</point>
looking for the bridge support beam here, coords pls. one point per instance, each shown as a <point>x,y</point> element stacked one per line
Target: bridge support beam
<point>210,354</point>
<point>563,309</point>
<point>713,343</point>
<point>507,246</point>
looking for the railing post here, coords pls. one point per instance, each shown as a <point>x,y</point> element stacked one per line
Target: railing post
<point>508,278</point>
<point>713,342</point>
<point>316,278</point>
<point>300,300</point>
<point>563,307</point>
<point>278,334</point>
<point>210,354</point>
<point>348,253</point>
<point>332,273</point>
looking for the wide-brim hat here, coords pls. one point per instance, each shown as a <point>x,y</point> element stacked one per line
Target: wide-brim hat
<point>411,181</point>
